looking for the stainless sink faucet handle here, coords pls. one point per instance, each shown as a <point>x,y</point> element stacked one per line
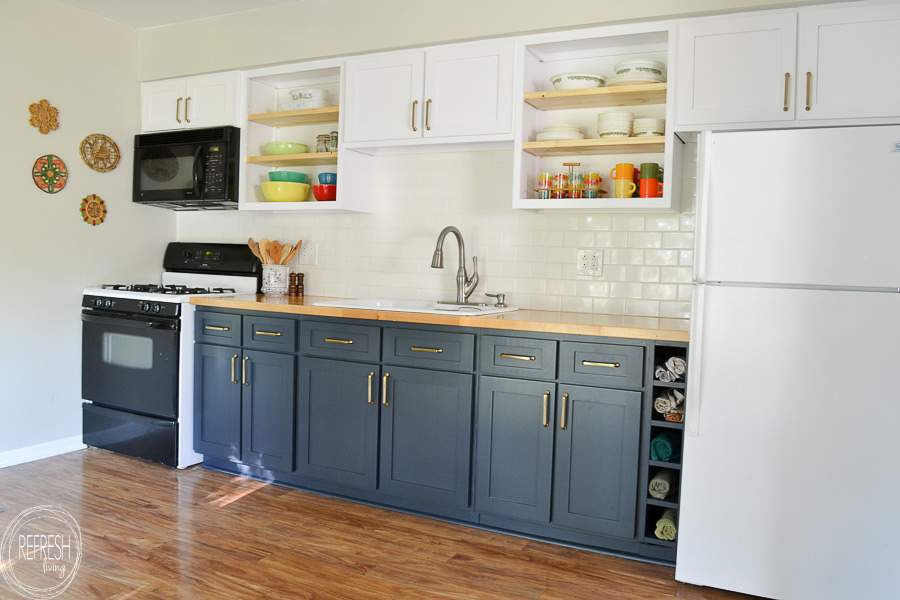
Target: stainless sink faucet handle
<point>501,299</point>
<point>465,285</point>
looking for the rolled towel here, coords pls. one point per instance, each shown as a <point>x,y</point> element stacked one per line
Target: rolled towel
<point>677,366</point>
<point>668,401</point>
<point>665,526</point>
<point>663,374</point>
<point>676,416</point>
<point>661,485</point>
<point>664,447</point>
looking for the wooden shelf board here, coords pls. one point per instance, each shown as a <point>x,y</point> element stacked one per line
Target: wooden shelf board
<point>290,118</point>
<point>622,145</point>
<point>619,95</point>
<point>295,160</point>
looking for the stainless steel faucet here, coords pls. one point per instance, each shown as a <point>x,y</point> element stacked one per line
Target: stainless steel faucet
<point>464,284</point>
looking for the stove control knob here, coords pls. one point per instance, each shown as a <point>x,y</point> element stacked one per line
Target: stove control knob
<point>98,302</point>
<point>109,303</point>
<point>145,307</point>
<point>157,308</point>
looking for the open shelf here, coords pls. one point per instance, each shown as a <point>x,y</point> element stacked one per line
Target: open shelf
<point>307,159</point>
<point>292,118</point>
<point>620,95</point>
<point>619,145</point>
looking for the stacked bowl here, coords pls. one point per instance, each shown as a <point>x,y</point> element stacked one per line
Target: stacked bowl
<point>560,132</point>
<point>577,81</point>
<point>614,124</point>
<point>647,126</point>
<point>637,71</point>
<point>326,190</point>
<point>285,186</point>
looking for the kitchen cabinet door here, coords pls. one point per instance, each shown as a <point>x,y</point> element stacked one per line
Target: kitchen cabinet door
<point>595,469</point>
<point>217,401</point>
<point>514,456</point>
<point>848,53</point>
<point>736,69</point>
<point>426,431</point>
<point>337,421</point>
<point>268,410</point>
<point>189,102</point>
<point>384,97</point>
<point>468,90</point>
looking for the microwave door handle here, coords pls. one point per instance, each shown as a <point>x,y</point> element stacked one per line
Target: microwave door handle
<point>198,171</point>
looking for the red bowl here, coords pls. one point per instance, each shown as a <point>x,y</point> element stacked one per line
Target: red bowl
<point>324,192</point>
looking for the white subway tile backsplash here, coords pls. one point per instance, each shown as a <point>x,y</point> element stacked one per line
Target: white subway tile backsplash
<point>530,256</point>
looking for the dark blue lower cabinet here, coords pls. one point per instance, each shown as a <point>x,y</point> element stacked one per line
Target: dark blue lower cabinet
<point>426,423</point>
<point>217,401</point>
<point>596,460</point>
<point>514,448</point>
<point>337,421</point>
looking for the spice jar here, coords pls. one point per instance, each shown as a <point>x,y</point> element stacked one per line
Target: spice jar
<point>322,142</point>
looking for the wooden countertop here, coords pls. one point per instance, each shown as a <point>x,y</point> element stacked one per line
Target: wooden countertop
<point>541,321</point>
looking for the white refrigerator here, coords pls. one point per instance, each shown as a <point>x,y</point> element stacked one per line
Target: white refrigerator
<point>791,462</point>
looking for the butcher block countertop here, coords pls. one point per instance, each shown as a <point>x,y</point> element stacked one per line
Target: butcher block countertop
<point>540,321</point>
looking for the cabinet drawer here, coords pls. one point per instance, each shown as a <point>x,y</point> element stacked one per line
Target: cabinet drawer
<point>609,365</point>
<point>337,340</point>
<point>217,328</point>
<point>432,349</point>
<point>270,333</point>
<point>518,357</point>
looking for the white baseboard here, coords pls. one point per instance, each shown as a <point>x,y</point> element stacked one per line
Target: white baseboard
<point>39,451</point>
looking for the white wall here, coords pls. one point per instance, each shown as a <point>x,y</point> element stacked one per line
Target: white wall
<point>86,67</point>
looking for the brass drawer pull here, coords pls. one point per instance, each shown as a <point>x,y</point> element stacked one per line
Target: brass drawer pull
<point>272,333</point>
<point>384,380</point>
<point>808,82</point>
<point>562,422</point>
<point>545,417</point>
<point>233,369</point>
<point>178,108</point>
<point>337,341</point>
<point>186,100</point>
<point>371,375</point>
<point>428,114</point>
<point>415,102</point>
<point>516,356</point>
<point>432,350</point>
<point>244,370</point>
<point>787,81</point>
<point>589,363</point>
<point>216,328</point>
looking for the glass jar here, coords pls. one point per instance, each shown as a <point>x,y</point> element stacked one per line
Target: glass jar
<point>333,142</point>
<point>322,142</point>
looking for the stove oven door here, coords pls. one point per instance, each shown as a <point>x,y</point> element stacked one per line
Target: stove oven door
<point>130,363</point>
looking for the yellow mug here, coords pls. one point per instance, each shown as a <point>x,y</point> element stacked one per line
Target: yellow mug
<point>623,171</point>
<point>625,188</point>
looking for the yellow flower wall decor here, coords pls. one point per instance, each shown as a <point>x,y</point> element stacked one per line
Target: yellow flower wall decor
<point>44,116</point>
<point>93,209</point>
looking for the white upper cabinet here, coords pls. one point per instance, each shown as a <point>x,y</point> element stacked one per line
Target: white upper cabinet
<point>461,92</point>
<point>736,69</point>
<point>849,54</point>
<point>817,64</point>
<point>189,102</point>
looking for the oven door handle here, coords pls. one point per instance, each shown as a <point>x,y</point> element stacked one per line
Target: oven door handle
<point>137,322</point>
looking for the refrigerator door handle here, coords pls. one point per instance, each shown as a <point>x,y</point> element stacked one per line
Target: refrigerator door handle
<point>695,374</point>
<point>704,173</point>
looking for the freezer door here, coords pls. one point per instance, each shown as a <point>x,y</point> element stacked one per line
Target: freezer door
<point>789,482</point>
<point>808,207</point>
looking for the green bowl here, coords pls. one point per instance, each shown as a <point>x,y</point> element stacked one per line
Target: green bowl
<point>292,176</point>
<point>285,148</point>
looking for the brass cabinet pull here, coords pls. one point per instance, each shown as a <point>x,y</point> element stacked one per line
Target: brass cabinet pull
<point>415,103</point>
<point>233,369</point>
<point>516,356</point>
<point>432,350</point>
<point>244,370</point>
<point>371,376</point>
<point>562,422</point>
<point>428,114</point>
<point>178,108</point>
<point>186,100</point>
<point>589,363</point>
<point>272,333</point>
<point>384,389</point>
<point>787,87</point>
<point>216,328</point>
<point>808,82</point>
<point>545,418</point>
<point>337,341</point>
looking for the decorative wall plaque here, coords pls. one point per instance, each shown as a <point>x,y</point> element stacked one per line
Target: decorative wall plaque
<point>44,116</point>
<point>93,209</point>
<point>99,152</point>
<point>50,173</point>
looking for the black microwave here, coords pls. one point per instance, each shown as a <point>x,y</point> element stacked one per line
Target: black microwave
<point>193,169</point>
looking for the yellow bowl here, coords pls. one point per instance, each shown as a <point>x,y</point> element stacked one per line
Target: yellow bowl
<point>285,191</point>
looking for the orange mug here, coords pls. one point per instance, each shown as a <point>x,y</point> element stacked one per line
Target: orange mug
<point>625,188</point>
<point>622,171</point>
<point>651,188</point>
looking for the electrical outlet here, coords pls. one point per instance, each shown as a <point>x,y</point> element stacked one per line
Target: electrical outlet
<point>308,254</point>
<point>589,262</point>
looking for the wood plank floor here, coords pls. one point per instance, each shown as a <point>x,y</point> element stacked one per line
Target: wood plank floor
<point>152,532</point>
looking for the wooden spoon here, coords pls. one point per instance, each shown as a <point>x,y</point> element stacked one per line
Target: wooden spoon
<point>275,252</point>
<point>285,252</point>
<point>292,253</point>
<point>264,252</point>
<point>254,248</point>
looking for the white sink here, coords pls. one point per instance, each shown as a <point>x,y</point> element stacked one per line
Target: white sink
<point>416,306</point>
